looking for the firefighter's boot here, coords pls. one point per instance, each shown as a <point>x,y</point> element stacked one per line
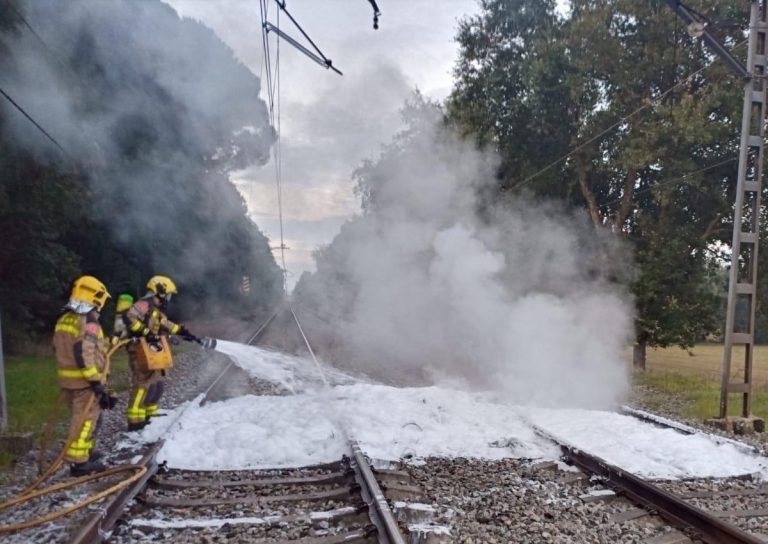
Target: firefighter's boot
<point>133,427</point>
<point>96,455</point>
<point>83,469</point>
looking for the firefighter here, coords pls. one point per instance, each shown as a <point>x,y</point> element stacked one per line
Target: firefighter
<point>119,331</point>
<point>81,354</point>
<point>146,318</point>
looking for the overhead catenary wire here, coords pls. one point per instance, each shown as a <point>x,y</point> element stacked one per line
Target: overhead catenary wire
<point>672,180</point>
<point>29,27</point>
<point>275,114</point>
<point>322,60</point>
<point>76,79</point>
<point>35,123</point>
<point>621,121</point>
<point>279,162</point>
<point>273,90</point>
<point>40,40</point>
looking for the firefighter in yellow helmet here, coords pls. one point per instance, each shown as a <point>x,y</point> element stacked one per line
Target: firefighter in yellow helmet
<point>146,318</point>
<point>123,304</point>
<point>81,354</point>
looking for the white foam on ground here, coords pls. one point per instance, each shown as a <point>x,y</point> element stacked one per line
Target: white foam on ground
<point>648,450</point>
<point>309,427</point>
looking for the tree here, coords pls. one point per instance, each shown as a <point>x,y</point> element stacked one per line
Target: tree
<point>649,128</point>
<point>154,112</point>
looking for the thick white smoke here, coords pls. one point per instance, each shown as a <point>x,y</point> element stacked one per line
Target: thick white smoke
<point>434,282</point>
<point>155,112</point>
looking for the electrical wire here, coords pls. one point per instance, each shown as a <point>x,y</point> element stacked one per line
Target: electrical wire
<point>273,98</point>
<point>37,125</point>
<point>673,180</point>
<point>32,30</point>
<point>621,121</point>
<point>279,162</point>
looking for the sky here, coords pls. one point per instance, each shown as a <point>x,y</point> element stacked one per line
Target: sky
<point>330,123</point>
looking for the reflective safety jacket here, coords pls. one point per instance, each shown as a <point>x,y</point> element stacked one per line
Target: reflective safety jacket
<point>144,317</point>
<point>81,350</point>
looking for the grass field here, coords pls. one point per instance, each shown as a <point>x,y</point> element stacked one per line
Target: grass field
<point>33,389</point>
<point>33,394</point>
<point>705,360</point>
<point>695,378</point>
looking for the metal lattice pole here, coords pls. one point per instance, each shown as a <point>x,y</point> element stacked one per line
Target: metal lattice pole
<point>742,285</point>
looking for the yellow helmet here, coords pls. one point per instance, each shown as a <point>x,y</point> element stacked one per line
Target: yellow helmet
<point>161,285</point>
<point>89,290</point>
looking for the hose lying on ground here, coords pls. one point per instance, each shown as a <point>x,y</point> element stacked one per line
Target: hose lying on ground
<point>30,492</point>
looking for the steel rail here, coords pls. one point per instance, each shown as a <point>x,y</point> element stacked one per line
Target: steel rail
<point>669,506</point>
<point>259,332</point>
<point>99,525</point>
<point>264,326</point>
<point>379,510</point>
<point>667,423</point>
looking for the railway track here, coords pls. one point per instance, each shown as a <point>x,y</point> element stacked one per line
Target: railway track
<point>691,517</point>
<point>349,501</point>
<point>326,504</point>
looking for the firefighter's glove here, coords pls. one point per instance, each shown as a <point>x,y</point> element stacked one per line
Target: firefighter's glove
<point>98,389</point>
<point>108,401</point>
<point>105,400</point>
<point>186,335</point>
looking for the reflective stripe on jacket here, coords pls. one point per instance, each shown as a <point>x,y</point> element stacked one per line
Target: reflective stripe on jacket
<point>144,317</point>
<point>81,351</point>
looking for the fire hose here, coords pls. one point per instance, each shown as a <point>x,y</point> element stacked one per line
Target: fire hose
<point>31,491</point>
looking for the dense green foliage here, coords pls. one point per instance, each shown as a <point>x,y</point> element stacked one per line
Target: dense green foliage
<point>652,121</point>
<point>154,111</point>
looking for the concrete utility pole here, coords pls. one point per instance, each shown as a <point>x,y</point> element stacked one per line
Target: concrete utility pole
<point>742,285</point>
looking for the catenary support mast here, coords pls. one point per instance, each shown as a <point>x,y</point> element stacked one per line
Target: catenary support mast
<point>742,285</point>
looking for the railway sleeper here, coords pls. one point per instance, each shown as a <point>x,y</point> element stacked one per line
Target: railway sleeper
<point>319,520</point>
<point>337,493</point>
<point>324,479</point>
<point>395,492</point>
<point>363,535</point>
<point>388,475</point>
<point>672,537</point>
<point>366,535</point>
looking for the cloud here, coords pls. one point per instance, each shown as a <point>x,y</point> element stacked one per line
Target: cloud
<point>329,123</point>
<point>313,203</point>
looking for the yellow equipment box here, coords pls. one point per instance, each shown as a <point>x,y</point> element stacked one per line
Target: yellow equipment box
<point>154,356</point>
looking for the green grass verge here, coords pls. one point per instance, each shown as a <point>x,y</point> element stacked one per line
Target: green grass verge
<point>33,393</point>
<point>701,395</point>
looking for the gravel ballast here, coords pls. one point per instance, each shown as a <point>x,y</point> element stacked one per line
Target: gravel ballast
<point>477,501</point>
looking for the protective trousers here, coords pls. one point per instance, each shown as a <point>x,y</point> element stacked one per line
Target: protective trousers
<point>146,389</point>
<point>83,425</point>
